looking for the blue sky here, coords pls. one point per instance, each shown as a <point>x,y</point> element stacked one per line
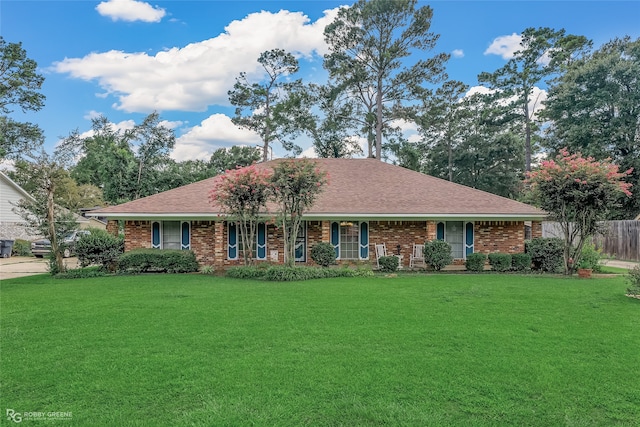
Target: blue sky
<point>126,58</point>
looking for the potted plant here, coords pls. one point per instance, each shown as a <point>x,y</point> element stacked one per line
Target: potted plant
<point>585,268</point>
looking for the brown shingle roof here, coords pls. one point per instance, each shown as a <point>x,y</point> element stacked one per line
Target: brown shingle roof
<point>357,188</point>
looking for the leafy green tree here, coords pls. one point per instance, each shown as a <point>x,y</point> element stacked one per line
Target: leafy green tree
<point>19,86</point>
<point>543,53</point>
<point>276,109</point>
<point>442,124</point>
<point>43,214</point>
<point>224,159</point>
<point>330,130</point>
<point>377,56</point>
<point>577,192</point>
<point>594,108</point>
<point>242,195</point>
<point>126,164</point>
<point>296,184</point>
<point>68,193</point>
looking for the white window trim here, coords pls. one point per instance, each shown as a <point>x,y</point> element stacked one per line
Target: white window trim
<point>237,245</point>
<point>360,246</point>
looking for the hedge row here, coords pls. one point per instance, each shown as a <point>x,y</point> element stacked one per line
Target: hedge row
<point>281,273</point>
<point>160,261</point>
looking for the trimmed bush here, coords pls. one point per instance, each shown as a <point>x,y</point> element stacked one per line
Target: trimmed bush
<point>283,273</point>
<point>633,279</point>
<point>521,262</point>
<point>101,248</point>
<point>546,253</point>
<point>590,257</point>
<point>475,262</point>
<point>82,273</point>
<point>21,248</point>
<point>500,262</point>
<point>158,260</point>
<point>246,272</point>
<point>388,264</point>
<point>323,254</point>
<point>437,253</point>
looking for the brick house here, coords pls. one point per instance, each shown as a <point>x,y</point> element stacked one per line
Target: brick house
<point>366,202</point>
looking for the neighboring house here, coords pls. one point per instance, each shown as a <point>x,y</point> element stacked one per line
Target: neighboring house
<point>366,202</point>
<point>12,226</point>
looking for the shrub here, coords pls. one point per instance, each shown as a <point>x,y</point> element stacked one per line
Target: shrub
<point>475,262</point>
<point>437,253</point>
<point>283,273</point>
<point>521,262</point>
<point>590,257</point>
<point>546,253</point>
<point>323,254</point>
<point>500,262</point>
<point>100,247</point>
<point>633,278</point>
<point>158,260</point>
<point>246,272</point>
<point>207,269</point>
<point>21,248</point>
<point>388,264</point>
<point>82,273</point>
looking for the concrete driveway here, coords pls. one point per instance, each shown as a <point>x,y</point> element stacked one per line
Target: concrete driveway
<point>13,267</point>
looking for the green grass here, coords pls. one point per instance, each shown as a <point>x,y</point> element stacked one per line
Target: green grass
<point>421,350</point>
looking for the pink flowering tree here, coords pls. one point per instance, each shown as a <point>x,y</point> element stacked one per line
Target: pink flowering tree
<point>295,186</point>
<point>577,192</point>
<point>242,195</point>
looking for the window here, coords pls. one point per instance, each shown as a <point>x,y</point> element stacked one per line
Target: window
<point>459,235</point>
<point>301,243</point>
<point>350,239</point>
<point>171,235</point>
<point>235,246</point>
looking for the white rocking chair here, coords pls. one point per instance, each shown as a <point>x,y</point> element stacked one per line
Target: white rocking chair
<point>417,256</point>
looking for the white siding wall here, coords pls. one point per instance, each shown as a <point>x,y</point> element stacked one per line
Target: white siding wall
<point>9,196</point>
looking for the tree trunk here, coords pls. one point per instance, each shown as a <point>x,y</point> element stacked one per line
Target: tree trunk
<point>379,120</point>
<point>55,249</point>
<point>527,136</point>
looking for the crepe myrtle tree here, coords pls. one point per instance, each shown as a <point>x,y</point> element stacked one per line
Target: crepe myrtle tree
<point>577,192</point>
<point>242,195</point>
<point>296,184</point>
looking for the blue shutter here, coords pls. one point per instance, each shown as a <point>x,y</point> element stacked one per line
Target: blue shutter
<point>232,247</point>
<point>335,237</point>
<point>186,240</point>
<point>440,231</point>
<point>155,235</point>
<point>469,238</point>
<point>261,252</point>
<point>364,240</point>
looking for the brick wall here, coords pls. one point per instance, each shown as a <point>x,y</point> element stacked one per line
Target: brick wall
<point>209,238</point>
<point>112,227</point>
<point>499,236</point>
<point>137,235</point>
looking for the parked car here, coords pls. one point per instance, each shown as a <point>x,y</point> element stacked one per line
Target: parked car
<point>42,247</point>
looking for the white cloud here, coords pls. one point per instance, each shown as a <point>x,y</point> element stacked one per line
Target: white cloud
<point>536,99</point>
<point>130,10</point>
<point>505,46</point>
<point>214,132</point>
<point>192,77</point>
<point>457,53</point>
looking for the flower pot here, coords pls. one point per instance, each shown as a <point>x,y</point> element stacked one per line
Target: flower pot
<point>584,272</point>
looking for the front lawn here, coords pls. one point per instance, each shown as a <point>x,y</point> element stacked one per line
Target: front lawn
<point>419,350</point>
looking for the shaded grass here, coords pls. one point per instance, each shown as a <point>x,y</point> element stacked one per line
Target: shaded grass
<point>410,350</point>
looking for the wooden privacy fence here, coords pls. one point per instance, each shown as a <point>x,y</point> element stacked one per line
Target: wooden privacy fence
<point>620,239</point>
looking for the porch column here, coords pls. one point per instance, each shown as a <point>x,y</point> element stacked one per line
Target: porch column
<point>431,230</point>
<point>219,246</point>
<point>112,227</point>
<point>536,229</point>
<point>326,231</point>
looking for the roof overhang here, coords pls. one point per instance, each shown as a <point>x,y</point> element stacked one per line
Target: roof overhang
<point>333,216</point>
